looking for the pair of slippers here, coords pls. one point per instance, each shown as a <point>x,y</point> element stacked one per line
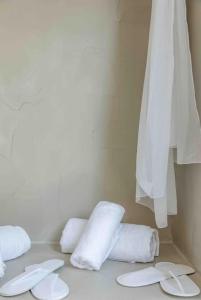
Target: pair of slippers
<point>172,277</point>
<point>40,280</point>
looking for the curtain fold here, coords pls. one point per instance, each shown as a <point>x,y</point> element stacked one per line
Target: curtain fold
<point>169,129</point>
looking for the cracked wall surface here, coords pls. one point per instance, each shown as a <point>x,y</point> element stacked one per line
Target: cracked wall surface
<point>71,75</point>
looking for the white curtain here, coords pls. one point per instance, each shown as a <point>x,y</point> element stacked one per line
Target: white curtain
<point>169,119</point>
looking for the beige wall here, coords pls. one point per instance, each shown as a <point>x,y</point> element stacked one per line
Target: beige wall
<point>187,226</point>
<point>71,74</point>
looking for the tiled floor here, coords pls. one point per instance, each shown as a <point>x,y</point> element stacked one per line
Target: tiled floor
<point>87,285</point>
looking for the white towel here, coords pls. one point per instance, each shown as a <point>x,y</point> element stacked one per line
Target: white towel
<point>2,267</point>
<point>71,234</point>
<point>99,236</point>
<point>169,117</point>
<point>136,243</point>
<point>14,241</point>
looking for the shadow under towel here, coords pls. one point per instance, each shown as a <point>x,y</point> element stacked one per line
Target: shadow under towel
<point>2,267</point>
<point>169,118</point>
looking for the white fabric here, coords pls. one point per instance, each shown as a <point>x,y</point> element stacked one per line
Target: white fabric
<point>151,275</point>
<point>50,288</point>
<point>14,241</point>
<point>182,286</point>
<point>71,234</point>
<point>2,267</point>
<point>141,278</point>
<point>169,117</point>
<point>136,243</point>
<point>30,278</point>
<point>99,236</point>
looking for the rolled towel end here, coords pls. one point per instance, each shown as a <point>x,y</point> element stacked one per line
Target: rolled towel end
<point>17,242</point>
<point>72,234</point>
<point>81,263</point>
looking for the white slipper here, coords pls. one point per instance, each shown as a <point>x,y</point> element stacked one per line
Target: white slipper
<point>181,286</point>
<point>176,269</point>
<point>31,277</point>
<point>153,275</point>
<point>50,288</point>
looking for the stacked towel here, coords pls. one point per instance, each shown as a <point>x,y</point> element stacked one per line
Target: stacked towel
<point>136,243</point>
<point>14,242</point>
<point>99,236</point>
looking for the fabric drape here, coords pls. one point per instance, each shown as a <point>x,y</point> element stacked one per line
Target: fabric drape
<point>169,129</point>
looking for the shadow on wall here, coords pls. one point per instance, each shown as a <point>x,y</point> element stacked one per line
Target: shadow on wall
<point>118,171</point>
<point>70,85</point>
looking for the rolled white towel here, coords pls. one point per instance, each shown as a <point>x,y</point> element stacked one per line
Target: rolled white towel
<point>136,243</point>
<point>14,241</point>
<point>71,234</point>
<point>2,267</point>
<point>99,236</point>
